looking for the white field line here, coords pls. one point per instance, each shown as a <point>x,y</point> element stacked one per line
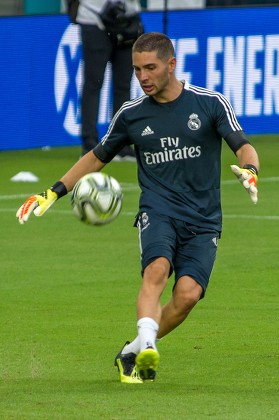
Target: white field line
<point>134,187</point>
<point>266,180</point>
<point>249,217</point>
<point>133,213</point>
<point>125,187</point>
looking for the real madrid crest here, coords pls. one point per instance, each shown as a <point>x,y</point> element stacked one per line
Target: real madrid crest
<point>144,218</point>
<point>194,122</point>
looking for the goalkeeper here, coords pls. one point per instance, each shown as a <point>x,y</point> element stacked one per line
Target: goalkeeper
<point>177,130</point>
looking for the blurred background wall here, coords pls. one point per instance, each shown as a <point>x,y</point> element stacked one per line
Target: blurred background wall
<point>23,7</point>
<point>218,48</point>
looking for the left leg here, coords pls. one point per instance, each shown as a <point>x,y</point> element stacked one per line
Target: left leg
<point>122,71</point>
<point>96,47</point>
<point>186,294</point>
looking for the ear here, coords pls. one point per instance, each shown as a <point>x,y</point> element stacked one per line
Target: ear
<point>172,64</point>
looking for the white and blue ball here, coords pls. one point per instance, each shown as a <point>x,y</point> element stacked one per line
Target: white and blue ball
<point>97,198</point>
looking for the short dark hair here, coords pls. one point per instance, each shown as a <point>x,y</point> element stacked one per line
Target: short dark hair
<point>155,41</point>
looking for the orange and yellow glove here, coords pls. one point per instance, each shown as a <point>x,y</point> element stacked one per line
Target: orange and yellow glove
<point>248,177</point>
<point>40,203</point>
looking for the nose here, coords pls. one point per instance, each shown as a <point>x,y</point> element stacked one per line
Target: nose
<point>143,76</point>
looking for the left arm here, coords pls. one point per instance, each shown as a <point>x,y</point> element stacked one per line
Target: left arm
<point>247,172</point>
<point>229,128</point>
<point>247,155</point>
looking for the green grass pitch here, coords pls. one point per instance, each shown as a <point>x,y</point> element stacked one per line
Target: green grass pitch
<point>68,294</point>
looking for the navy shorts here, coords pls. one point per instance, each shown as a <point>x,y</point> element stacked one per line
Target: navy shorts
<point>190,250</point>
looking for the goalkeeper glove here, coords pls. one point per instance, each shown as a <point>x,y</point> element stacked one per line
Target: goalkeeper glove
<point>40,203</point>
<point>248,176</point>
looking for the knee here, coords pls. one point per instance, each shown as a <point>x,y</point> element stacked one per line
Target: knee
<point>187,294</point>
<point>159,267</point>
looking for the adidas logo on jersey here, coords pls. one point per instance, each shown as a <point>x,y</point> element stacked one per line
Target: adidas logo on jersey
<point>147,131</point>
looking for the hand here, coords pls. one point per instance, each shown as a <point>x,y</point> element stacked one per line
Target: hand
<point>38,203</point>
<point>248,178</point>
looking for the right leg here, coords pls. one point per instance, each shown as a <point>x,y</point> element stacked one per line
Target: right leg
<point>97,49</point>
<point>154,281</point>
<point>157,244</point>
<point>155,278</point>
<point>157,237</point>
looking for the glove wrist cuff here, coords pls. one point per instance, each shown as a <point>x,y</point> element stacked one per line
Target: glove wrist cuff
<point>251,168</point>
<point>59,188</point>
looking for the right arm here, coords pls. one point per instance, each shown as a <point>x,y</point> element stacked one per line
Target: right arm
<point>40,203</point>
<point>88,163</point>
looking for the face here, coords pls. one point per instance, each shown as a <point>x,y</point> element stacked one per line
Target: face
<point>152,73</point>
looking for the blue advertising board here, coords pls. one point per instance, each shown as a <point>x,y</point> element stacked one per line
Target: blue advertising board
<point>234,51</point>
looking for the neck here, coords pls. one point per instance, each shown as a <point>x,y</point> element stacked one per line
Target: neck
<point>172,92</point>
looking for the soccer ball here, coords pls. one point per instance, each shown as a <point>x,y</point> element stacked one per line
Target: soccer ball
<point>97,198</point>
